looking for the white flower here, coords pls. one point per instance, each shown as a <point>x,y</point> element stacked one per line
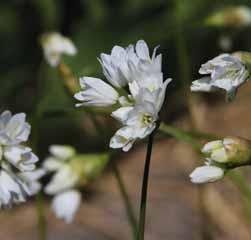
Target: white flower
<point>13,129</point>
<point>54,45</point>
<point>12,190</point>
<point>65,177</point>
<point>15,159</point>
<point>31,179</point>
<point>96,92</point>
<point>226,72</point>
<point>115,66</point>
<point>134,69</point>
<point>143,61</point>
<point>123,138</point>
<point>66,204</point>
<point>121,66</point>
<point>143,119</point>
<point>206,174</point>
<point>62,151</point>
<point>20,157</point>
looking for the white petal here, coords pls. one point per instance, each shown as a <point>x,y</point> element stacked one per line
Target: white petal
<point>210,146</point>
<point>121,114</point>
<point>66,204</point>
<point>97,93</point>
<point>203,84</point>
<point>206,174</point>
<point>21,157</point>
<point>62,151</point>
<point>142,50</point>
<point>52,164</point>
<point>123,138</point>
<point>63,180</point>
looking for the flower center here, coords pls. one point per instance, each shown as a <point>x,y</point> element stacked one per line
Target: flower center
<point>147,119</point>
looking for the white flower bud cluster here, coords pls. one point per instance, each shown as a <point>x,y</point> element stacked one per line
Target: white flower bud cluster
<point>128,69</point>
<point>221,155</point>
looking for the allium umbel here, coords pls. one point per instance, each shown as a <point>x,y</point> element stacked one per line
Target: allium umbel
<point>221,156</point>
<point>135,86</point>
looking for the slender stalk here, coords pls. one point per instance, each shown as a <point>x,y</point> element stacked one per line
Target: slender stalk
<point>144,189</point>
<point>70,81</point>
<point>128,206</point>
<point>41,216</point>
<point>41,220</point>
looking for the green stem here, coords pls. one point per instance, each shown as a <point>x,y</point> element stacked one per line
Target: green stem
<point>144,189</point>
<point>128,206</point>
<point>181,135</point>
<point>41,216</point>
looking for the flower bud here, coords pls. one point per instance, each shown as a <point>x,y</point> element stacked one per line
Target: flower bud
<point>231,17</point>
<point>206,174</point>
<point>230,150</point>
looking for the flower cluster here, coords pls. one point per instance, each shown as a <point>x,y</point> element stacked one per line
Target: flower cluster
<point>54,45</point>
<point>220,156</point>
<point>18,174</point>
<point>72,171</point>
<point>226,72</point>
<point>134,85</point>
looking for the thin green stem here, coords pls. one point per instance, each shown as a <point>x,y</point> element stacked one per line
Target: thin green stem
<point>128,206</point>
<point>41,216</point>
<point>144,189</point>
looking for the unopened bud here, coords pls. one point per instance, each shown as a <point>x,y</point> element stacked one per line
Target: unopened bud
<point>231,150</point>
<point>206,174</point>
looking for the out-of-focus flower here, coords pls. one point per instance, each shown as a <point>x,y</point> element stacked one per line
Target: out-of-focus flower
<point>221,156</point>
<point>71,170</point>
<point>225,42</point>
<point>66,204</point>
<point>21,157</point>
<point>132,69</point>
<point>13,128</point>
<point>15,159</point>
<point>31,180</point>
<point>234,16</point>
<point>206,174</point>
<point>11,191</point>
<point>54,45</point>
<point>226,72</point>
